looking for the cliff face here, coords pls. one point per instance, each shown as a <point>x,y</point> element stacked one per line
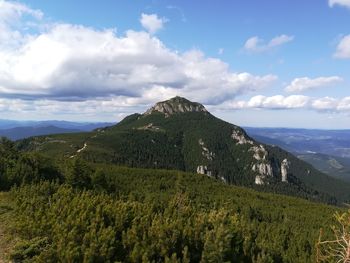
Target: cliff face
<point>284,170</point>
<point>260,166</point>
<point>176,105</point>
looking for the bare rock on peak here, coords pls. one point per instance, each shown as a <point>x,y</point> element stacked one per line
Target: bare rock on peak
<point>176,105</point>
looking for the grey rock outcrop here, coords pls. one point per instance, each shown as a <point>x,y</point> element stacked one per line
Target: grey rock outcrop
<point>203,169</point>
<point>259,180</point>
<point>205,151</point>
<point>176,105</point>
<point>262,167</point>
<point>240,138</point>
<point>259,152</point>
<point>284,170</point>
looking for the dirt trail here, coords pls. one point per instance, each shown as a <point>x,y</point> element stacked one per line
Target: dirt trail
<point>79,150</point>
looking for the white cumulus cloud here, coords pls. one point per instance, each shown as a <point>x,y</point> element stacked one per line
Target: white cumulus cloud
<point>280,102</point>
<point>305,83</point>
<point>66,62</point>
<point>273,102</point>
<point>326,103</point>
<point>152,23</point>
<point>256,44</point>
<point>75,62</point>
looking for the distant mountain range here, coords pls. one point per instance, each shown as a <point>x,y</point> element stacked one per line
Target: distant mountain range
<point>332,165</point>
<point>25,132</point>
<point>329,142</point>
<point>182,135</point>
<point>16,130</point>
<point>327,150</point>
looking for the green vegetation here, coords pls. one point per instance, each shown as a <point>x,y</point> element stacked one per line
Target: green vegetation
<point>79,212</point>
<point>332,165</point>
<point>175,141</point>
<point>7,238</point>
<point>84,206</point>
<point>73,211</point>
<point>21,168</point>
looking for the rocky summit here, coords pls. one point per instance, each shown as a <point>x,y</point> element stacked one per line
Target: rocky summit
<point>176,105</point>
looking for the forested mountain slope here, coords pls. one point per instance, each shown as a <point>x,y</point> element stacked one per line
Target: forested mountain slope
<point>182,135</point>
<point>69,210</point>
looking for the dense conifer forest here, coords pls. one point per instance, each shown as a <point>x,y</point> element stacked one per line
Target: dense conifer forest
<point>73,211</point>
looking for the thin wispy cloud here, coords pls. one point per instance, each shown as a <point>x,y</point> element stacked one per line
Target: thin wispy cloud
<point>15,20</point>
<point>344,3</point>
<point>256,44</point>
<point>343,48</point>
<point>179,10</point>
<point>152,23</point>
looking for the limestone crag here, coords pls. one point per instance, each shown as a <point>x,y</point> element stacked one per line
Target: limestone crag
<point>263,169</point>
<point>259,152</point>
<point>203,169</point>
<point>262,166</point>
<point>176,105</point>
<point>240,138</point>
<point>259,180</point>
<point>205,151</point>
<point>284,170</point>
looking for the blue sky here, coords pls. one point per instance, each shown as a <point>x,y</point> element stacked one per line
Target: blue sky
<point>254,63</point>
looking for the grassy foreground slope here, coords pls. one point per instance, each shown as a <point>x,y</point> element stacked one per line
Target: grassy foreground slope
<point>121,214</point>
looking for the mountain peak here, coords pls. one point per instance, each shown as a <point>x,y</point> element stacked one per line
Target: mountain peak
<point>176,105</point>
